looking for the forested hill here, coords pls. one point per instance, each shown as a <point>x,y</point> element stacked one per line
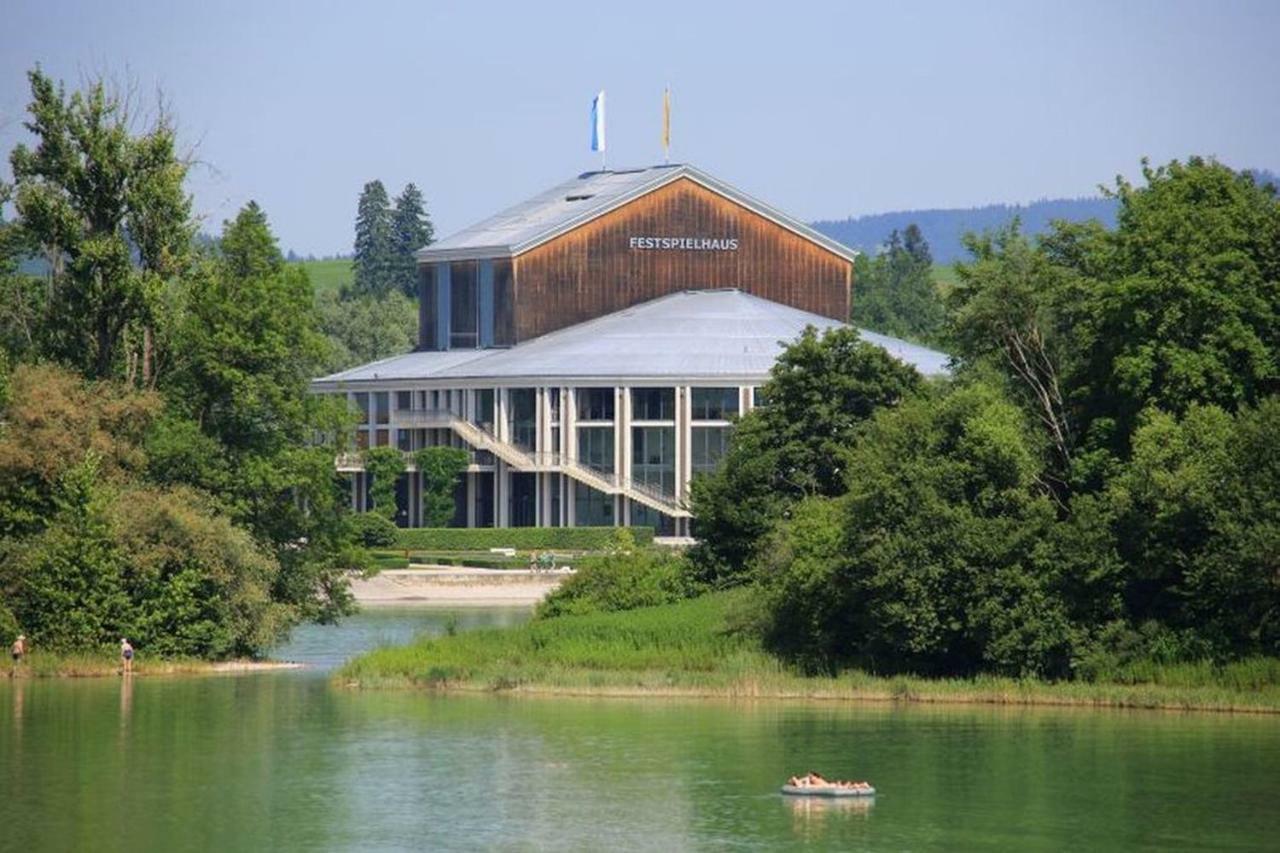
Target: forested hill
<point>944,228</point>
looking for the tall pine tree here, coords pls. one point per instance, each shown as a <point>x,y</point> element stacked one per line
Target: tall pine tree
<point>373,255</point>
<point>411,229</point>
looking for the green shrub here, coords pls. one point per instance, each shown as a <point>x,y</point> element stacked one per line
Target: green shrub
<point>623,580</point>
<point>374,530</point>
<point>520,538</point>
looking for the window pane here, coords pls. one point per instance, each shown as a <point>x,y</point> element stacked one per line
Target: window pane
<point>714,404</point>
<point>653,457</point>
<point>362,403</point>
<point>592,508</point>
<point>524,423</point>
<point>653,404</point>
<point>464,307</point>
<point>382,404</point>
<point>595,404</point>
<point>595,448</point>
<point>404,401</point>
<point>707,447</point>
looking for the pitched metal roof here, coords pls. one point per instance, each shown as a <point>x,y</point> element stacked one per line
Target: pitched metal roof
<point>703,335</point>
<point>591,194</point>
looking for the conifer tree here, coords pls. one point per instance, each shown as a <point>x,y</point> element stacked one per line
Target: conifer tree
<point>373,240</point>
<point>411,230</point>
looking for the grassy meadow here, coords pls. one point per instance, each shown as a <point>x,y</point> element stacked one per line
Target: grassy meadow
<point>328,276</point>
<point>690,649</point>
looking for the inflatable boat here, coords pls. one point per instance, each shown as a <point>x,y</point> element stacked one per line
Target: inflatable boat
<point>827,791</point>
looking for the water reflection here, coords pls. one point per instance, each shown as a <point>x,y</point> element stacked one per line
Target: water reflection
<point>814,818</point>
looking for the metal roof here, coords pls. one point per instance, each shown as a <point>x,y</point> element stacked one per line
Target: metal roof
<point>691,336</point>
<point>591,194</point>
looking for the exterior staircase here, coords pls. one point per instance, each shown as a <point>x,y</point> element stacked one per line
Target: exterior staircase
<point>524,460</point>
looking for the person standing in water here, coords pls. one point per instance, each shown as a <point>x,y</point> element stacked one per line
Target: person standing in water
<point>16,653</point>
<point>126,656</point>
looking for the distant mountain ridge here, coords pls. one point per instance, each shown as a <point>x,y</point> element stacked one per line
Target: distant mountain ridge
<point>944,228</point>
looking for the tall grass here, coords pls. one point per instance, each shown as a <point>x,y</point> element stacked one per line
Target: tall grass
<point>686,649</point>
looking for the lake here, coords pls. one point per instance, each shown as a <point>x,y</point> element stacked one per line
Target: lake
<point>284,761</point>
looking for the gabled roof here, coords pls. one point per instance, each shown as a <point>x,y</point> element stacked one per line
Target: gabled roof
<point>574,202</point>
<point>702,335</point>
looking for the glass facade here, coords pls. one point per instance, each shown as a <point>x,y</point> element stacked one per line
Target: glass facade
<point>523,417</point>
<point>653,404</point>
<point>464,306</point>
<point>595,448</point>
<point>382,407</point>
<point>645,516</point>
<point>595,404</point>
<point>484,409</point>
<point>707,446</point>
<point>523,501</point>
<point>653,457</point>
<point>713,404</point>
<point>592,508</point>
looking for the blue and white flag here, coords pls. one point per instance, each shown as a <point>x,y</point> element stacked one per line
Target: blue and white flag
<point>597,122</point>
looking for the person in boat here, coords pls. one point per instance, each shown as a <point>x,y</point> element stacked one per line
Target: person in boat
<point>126,655</point>
<point>814,780</point>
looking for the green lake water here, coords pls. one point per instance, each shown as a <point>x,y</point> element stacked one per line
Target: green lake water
<point>284,761</point>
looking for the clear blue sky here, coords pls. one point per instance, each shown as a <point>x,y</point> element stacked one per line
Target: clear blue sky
<point>823,109</point>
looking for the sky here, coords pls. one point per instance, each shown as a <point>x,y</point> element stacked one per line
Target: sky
<point>824,110</point>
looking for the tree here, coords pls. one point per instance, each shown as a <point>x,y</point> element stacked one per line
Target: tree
<point>250,345</point>
<point>935,562</point>
<point>374,242</point>
<point>895,294</point>
<point>411,230</point>
<point>362,329</point>
<point>383,465</point>
<point>91,195</point>
<point>440,468</point>
<point>796,445</point>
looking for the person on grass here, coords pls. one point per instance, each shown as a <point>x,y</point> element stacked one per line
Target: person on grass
<point>16,653</point>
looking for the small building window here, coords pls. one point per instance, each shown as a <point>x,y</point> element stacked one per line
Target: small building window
<point>714,404</point>
<point>595,404</point>
<point>653,404</point>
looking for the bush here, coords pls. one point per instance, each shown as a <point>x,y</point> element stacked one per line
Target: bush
<point>374,530</point>
<point>623,580</point>
<point>520,538</point>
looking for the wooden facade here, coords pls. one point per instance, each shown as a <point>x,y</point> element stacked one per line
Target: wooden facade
<point>596,269</point>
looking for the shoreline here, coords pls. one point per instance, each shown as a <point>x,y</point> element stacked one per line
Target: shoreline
<point>1099,697</point>
<point>84,666</point>
<point>456,586</point>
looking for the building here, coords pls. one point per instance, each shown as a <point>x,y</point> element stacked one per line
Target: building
<point>592,345</point>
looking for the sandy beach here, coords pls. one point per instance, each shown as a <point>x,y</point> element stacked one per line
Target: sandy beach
<point>456,586</point>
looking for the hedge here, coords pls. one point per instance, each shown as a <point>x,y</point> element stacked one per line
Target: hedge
<point>520,538</point>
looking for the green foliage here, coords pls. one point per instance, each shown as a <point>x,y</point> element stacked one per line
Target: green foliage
<point>523,538</point>
<point>895,292</point>
<point>620,580</point>
<point>362,329</point>
<point>819,393</point>
<point>441,469</point>
<point>92,195</point>
<point>411,230</point>
<point>372,261</point>
<point>384,465</point>
<point>934,565</point>
<point>375,530</point>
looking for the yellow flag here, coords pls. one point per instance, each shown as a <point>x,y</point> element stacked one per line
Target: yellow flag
<point>666,123</point>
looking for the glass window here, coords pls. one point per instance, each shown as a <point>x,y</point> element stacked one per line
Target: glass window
<point>653,457</point>
<point>595,448</point>
<point>653,404</point>
<point>504,312</point>
<point>382,406</point>
<point>404,439</point>
<point>484,409</point>
<point>646,516</point>
<point>427,308</point>
<point>362,403</point>
<point>404,401</point>
<point>524,417</point>
<point>383,438</point>
<point>592,508</point>
<point>707,447</point>
<point>554,489</point>
<point>714,404</point>
<point>595,404</point>
<point>553,402</point>
<point>464,306</point>
<point>757,396</point>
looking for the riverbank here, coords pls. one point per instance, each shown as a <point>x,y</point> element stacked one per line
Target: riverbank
<point>90,665</point>
<point>456,586</point>
<point>686,650</point>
